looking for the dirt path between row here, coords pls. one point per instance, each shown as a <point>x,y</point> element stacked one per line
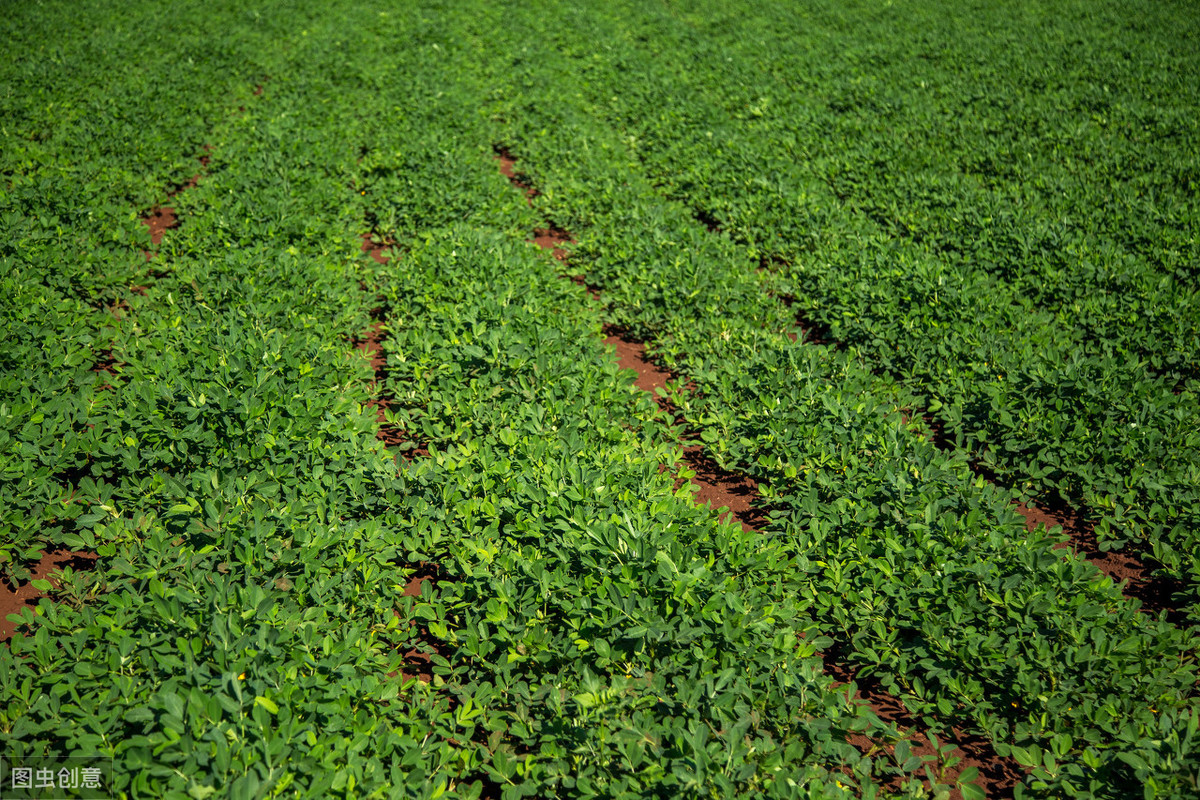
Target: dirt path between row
<point>49,568</point>
<point>1155,593</point>
<point>418,658</point>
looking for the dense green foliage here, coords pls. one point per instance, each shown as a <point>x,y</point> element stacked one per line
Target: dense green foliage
<point>997,207</point>
<point>993,209</point>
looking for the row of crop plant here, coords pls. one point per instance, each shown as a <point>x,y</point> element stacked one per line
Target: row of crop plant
<point>245,631</point>
<point>924,567</point>
<point>611,638</point>
<point>995,208</point>
<point>235,637</point>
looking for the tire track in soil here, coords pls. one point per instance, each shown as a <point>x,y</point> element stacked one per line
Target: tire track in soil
<point>736,493</point>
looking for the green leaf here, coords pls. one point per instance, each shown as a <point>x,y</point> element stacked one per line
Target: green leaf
<point>1134,760</point>
<point>266,703</point>
<point>972,791</point>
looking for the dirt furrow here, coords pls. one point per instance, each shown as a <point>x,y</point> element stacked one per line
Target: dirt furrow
<point>48,568</point>
<point>418,659</point>
<point>1155,593</point>
<point>160,219</point>
<point>734,492</point>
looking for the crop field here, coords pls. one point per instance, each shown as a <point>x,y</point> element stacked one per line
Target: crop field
<point>622,399</point>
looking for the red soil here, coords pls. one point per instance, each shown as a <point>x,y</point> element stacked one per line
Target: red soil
<point>48,568</point>
<point>371,344</point>
<point>160,220</point>
<point>419,659</point>
<point>508,169</point>
<point>374,249</point>
<point>552,239</point>
<point>631,355</point>
<point>997,775</point>
<point>1134,578</point>
<point>721,489</point>
<point>717,488</point>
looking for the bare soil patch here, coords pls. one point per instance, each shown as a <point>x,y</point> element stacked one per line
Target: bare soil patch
<point>552,239</point>
<point>1136,580</point>
<point>160,219</point>
<point>997,775</point>
<point>418,659</point>
<point>48,568</point>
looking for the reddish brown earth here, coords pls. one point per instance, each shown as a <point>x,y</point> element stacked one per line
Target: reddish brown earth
<point>159,221</point>
<point>508,169</point>
<point>552,239</point>
<point>48,568</point>
<point>419,658</point>
<point>724,489</point>
<point>716,487</point>
<point>997,775</point>
<point>631,355</point>
<point>1135,579</point>
<point>719,488</point>
<point>371,343</point>
<point>374,249</point>
<point>162,219</point>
